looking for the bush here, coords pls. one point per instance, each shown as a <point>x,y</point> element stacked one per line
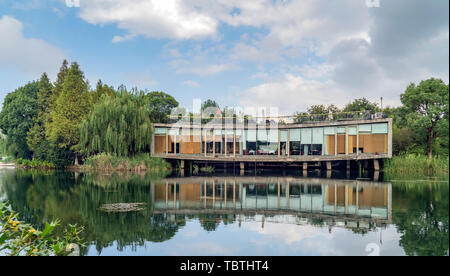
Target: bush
<point>35,164</point>
<point>20,239</point>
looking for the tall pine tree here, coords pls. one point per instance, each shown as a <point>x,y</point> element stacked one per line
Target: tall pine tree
<point>72,105</point>
<point>36,139</point>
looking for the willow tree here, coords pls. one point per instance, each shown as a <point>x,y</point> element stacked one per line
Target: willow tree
<point>119,126</point>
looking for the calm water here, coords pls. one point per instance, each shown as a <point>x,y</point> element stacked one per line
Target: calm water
<point>238,215</point>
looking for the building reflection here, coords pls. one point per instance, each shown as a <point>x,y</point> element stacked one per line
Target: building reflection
<point>336,203</point>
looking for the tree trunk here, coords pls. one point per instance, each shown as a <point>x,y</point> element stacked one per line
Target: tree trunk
<point>76,159</point>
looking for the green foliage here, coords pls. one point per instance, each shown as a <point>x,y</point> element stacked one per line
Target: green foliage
<point>20,239</point>
<point>420,213</point>
<point>209,103</point>
<point>160,106</point>
<point>17,118</point>
<point>118,126</point>
<point>207,169</point>
<point>102,89</point>
<point>412,164</point>
<point>36,135</point>
<point>140,163</point>
<point>58,86</point>
<point>71,107</point>
<point>426,109</point>
<point>361,105</point>
<point>34,164</point>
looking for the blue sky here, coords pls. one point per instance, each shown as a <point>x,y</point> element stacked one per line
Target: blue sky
<point>288,54</point>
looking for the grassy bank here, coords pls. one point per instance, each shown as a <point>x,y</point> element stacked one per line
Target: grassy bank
<point>139,163</point>
<point>417,165</point>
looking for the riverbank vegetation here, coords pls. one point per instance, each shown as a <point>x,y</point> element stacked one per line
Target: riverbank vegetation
<point>139,163</point>
<point>21,239</point>
<point>417,165</point>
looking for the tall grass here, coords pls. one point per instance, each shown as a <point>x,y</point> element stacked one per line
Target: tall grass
<point>139,163</point>
<point>417,165</point>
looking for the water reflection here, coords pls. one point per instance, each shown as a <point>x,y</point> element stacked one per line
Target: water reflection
<point>342,203</point>
<point>236,215</point>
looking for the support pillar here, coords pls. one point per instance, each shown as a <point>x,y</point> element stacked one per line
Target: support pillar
<point>214,143</point>
<point>357,140</point>
<point>335,142</point>
<point>328,163</point>
<point>182,167</point>
<point>346,140</point>
<point>167,142</point>
<point>242,167</point>
<point>376,165</point>
<point>234,143</point>
<point>305,166</point>
<point>279,144</point>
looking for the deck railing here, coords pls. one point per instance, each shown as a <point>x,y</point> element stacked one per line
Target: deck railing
<point>299,118</point>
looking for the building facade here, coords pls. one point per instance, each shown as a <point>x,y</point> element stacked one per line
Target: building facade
<point>354,139</point>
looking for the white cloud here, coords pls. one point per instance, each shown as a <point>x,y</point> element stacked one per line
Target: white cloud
<point>150,18</point>
<point>291,93</point>
<point>343,48</point>
<point>28,55</point>
<point>288,233</point>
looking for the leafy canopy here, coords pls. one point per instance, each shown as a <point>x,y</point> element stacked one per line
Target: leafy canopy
<point>119,126</point>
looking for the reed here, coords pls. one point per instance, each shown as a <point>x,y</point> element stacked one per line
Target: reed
<point>139,163</point>
<point>414,165</point>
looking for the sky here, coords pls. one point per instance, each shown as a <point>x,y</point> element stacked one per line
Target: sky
<point>286,54</point>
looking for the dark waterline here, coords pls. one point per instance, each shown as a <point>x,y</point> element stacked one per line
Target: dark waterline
<point>267,213</point>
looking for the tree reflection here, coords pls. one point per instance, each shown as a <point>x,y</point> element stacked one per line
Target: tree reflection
<point>420,209</point>
<point>420,212</point>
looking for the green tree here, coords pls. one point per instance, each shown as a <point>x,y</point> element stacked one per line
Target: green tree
<point>426,106</point>
<point>17,117</point>
<point>209,103</point>
<point>361,105</point>
<point>100,90</point>
<point>160,106</point>
<point>71,107</point>
<point>36,139</point>
<point>120,126</point>
<point>58,85</point>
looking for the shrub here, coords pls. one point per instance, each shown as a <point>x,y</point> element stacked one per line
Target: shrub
<point>20,239</point>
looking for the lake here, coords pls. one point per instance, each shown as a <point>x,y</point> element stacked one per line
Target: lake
<point>263,214</point>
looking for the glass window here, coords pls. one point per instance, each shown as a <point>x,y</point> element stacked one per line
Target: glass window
<point>250,143</point>
<point>294,141</point>
<point>380,128</point>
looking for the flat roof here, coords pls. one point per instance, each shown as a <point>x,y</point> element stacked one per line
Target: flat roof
<point>279,126</point>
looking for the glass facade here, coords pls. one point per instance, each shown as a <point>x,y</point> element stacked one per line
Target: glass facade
<point>308,141</point>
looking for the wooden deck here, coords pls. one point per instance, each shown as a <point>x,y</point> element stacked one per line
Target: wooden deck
<point>272,158</point>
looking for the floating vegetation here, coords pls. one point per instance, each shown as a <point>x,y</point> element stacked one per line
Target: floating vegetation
<point>122,207</point>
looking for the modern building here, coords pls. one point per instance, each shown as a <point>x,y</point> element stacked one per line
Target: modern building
<point>324,141</point>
